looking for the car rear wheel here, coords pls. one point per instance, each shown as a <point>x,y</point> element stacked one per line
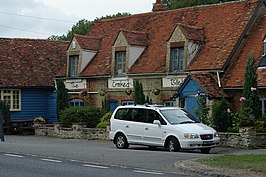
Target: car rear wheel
<point>121,141</point>
<point>173,145</point>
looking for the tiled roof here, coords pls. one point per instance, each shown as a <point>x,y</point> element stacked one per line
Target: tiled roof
<point>208,82</point>
<point>30,62</point>
<point>193,32</point>
<point>254,45</point>
<point>223,24</point>
<point>136,38</point>
<point>89,43</point>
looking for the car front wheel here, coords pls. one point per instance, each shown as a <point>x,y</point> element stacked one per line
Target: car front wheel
<point>121,141</point>
<point>173,145</point>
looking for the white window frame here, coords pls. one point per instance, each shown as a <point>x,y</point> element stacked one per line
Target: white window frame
<point>73,68</point>
<point>14,98</point>
<point>177,59</point>
<point>120,63</point>
<point>263,106</point>
<point>76,102</point>
<point>127,102</point>
<point>169,103</point>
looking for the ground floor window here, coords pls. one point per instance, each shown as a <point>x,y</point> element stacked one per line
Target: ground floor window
<point>12,97</point>
<point>76,102</point>
<point>127,102</point>
<point>263,106</point>
<point>169,103</point>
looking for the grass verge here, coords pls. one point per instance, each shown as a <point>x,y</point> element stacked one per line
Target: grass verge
<point>254,163</point>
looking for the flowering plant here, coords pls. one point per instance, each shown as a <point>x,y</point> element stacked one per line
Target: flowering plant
<point>39,120</point>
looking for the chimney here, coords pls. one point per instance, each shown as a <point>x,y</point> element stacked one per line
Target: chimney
<point>158,6</point>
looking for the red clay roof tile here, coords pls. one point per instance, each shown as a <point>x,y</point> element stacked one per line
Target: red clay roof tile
<point>30,62</point>
<point>89,43</point>
<point>223,25</point>
<point>235,76</point>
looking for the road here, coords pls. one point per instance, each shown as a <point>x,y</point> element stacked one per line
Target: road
<point>47,156</point>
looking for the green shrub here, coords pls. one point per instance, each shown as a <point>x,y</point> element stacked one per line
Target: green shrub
<point>221,117</point>
<point>105,120</point>
<point>5,112</point>
<point>88,115</point>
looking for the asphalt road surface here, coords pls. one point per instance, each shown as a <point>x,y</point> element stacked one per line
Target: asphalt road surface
<point>46,156</point>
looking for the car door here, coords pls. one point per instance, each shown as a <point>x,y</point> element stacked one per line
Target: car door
<point>134,126</point>
<point>153,133</point>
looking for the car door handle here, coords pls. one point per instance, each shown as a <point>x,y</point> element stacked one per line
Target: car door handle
<point>146,128</point>
<point>127,126</point>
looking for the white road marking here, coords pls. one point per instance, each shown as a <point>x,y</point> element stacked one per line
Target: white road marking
<point>148,172</point>
<point>52,160</point>
<point>13,155</point>
<point>95,166</point>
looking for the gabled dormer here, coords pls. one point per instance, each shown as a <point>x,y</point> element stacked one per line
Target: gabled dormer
<point>127,48</point>
<point>81,51</point>
<point>182,46</point>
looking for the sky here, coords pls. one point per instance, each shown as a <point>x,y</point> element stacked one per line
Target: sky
<point>40,19</point>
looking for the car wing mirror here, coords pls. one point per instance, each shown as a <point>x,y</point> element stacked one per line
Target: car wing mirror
<point>157,122</point>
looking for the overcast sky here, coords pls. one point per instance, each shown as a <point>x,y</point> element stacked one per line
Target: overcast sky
<point>43,18</point>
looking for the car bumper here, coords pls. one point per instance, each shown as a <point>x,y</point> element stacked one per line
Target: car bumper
<point>198,144</point>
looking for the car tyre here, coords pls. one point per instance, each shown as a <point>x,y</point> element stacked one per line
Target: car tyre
<point>205,150</point>
<point>173,145</point>
<point>121,141</point>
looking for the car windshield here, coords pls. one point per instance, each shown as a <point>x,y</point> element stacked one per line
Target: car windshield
<point>178,116</point>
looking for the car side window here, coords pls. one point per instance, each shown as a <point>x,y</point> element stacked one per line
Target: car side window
<point>122,114</point>
<point>153,115</point>
<point>138,115</point>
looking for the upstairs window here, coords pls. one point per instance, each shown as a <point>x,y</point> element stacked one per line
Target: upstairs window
<point>73,66</point>
<point>12,98</point>
<point>120,63</point>
<point>177,59</point>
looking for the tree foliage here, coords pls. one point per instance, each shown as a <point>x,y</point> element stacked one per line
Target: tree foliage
<point>250,100</point>
<point>175,4</point>
<point>139,95</point>
<point>202,111</point>
<point>221,118</point>
<point>82,27</point>
<point>61,97</point>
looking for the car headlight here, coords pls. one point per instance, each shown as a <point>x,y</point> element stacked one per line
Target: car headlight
<point>216,134</point>
<point>191,135</point>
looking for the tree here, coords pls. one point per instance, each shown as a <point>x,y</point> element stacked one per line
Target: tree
<point>175,4</point>
<point>61,97</point>
<point>139,95</point>
<point>82,27</point>
<point>250,100</point>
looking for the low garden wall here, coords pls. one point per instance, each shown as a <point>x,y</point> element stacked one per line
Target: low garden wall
<point>246,138</point>
<point>77,131</point>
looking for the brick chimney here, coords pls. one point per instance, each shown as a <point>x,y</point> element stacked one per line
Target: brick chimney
<point>158,6</point>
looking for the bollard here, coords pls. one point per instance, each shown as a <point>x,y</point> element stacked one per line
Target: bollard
<point>2,127</point>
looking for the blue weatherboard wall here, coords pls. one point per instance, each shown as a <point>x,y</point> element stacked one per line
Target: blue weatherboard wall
<point>188,92</point>
<point>34,103</point>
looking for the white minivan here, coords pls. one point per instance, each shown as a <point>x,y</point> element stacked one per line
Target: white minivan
<point>159,126</point>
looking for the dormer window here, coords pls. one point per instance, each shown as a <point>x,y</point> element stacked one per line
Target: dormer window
<point>73,66</point>
<point>177,59</point>
<point>120,63</point>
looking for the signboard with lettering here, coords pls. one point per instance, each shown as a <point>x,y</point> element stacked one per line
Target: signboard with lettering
<point>76,84</point>
<point>120,83</point>
<point>173,81</point>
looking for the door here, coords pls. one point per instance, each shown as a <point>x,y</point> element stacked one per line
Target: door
<point>113,104</point>
<point>153,133</point>
<point>191,105</point>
